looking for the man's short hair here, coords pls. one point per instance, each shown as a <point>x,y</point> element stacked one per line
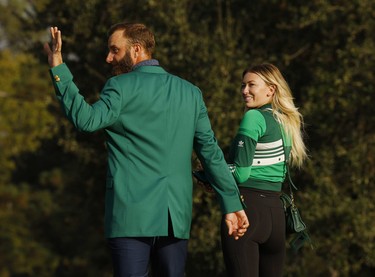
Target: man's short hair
<point>136,33</point>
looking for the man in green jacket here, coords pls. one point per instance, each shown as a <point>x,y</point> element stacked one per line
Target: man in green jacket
<point>153,121</point>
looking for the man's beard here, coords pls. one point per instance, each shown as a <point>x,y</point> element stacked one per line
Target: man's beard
<point>123,66</point>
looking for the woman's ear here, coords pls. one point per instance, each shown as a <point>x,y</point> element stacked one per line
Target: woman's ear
<point>271,90</point>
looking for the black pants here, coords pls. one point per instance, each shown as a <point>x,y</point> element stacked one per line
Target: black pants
<point>261,251</point>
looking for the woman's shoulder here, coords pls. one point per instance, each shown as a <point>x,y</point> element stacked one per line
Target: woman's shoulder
<point>254,114</point>
<point>253,118</point>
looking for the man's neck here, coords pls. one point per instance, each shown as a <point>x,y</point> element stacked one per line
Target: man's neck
<point>149,62</point>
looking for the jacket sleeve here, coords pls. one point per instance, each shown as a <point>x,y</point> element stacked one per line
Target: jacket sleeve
<point>84,116</point>
<point>212,159</point>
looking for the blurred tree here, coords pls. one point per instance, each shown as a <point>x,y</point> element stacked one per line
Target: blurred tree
<point>336,99</point>
<point>25,122</point>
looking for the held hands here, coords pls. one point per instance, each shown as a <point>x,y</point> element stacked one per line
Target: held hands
<point>54,52</point>
<point>237,223</point>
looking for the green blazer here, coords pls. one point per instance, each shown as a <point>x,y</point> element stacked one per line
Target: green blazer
<point>153,121</point>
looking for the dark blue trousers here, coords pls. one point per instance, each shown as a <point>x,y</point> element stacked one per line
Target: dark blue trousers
<point>133,257</point>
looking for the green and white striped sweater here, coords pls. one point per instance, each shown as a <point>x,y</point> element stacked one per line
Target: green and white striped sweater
<point>257,158</point>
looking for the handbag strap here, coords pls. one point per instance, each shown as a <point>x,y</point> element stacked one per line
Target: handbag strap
<point>291,184</point>
<point>304,235</point>
<point>287,171</point>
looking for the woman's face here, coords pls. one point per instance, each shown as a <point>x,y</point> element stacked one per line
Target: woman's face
<point>255,91</point>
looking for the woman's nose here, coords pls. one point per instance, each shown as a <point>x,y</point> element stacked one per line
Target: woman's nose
<point>245,90</point>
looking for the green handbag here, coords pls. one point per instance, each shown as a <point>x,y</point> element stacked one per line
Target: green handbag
<point>293,220</point>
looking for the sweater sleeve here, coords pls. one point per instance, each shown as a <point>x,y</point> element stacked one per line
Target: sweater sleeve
<point>252,127</point>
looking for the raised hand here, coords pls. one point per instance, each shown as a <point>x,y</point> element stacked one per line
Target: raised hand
<point>54,51</point>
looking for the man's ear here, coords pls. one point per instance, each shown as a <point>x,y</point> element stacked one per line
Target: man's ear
<point>136,50</point>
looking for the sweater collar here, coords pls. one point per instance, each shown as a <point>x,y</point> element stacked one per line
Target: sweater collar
<point>266,107</point>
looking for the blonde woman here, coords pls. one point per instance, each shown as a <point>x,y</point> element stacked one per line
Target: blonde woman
<point>269,132</point>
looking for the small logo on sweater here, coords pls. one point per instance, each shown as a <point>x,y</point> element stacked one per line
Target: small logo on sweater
<point>232,167</point>
<point>241,143</point>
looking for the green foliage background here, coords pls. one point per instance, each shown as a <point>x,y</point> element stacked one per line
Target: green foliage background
<point>52,177</point>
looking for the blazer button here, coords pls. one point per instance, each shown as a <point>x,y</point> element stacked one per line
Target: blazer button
<point>57,78</point>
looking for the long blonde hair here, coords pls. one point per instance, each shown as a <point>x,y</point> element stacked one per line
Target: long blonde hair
<point>284,109</point>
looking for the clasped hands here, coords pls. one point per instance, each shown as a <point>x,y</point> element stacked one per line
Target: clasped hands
<point>237,223</point>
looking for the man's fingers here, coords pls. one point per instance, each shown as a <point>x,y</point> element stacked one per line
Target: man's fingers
<point>56,39</point>
<point>242,219</point>
<point>245,224</point>
<point>230,226</point>
<point>54,31</point>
